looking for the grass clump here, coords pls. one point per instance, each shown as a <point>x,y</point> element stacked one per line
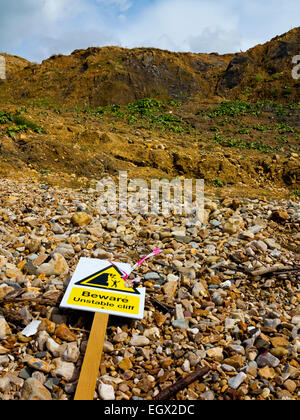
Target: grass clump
<point>20,124</point>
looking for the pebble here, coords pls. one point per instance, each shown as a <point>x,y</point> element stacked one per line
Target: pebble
<point>139,341</point>
<point>237,380</point>
<point>106,392</point>
<point>33,390</point>
<point>58,266</point>
<point>81,219</point>
<point>202,308</point>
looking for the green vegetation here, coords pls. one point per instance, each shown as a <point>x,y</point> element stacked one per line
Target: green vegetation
<point>150,111</point>
<point>241,144</point>
<point>20,124</point>
<point>239,107</point>
<point>218,183</point>
<point>295,193</point>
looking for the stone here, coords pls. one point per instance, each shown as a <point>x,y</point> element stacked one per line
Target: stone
<point>63,332</point>
<point>236,361</point>
<point>215,353</point>
<point>53,347</point>
<point>151,276</point>
<point>139,341</point>
<point>66,250</point>
<point>279,216</point>
<point>233,225</point>
<point>5,290</point>
<point>267,359</point>
<point>290,385</point>
<point>39,364</point>
<point>125,364</point>
<point>121,337</point>
<point>262,246</point>
<point>106,392</point>
<point>112,225</point>
<point>236,381</point>
<point>279,342</point>
<point>65,370</point>
<point>33,390</point>
<point>5,384</point>
<point>152,333</point>
<point>181,324</point>
<point>58,266</point>
<point>267,372</point>
<point>170,288</point>
<point>81,219</point>
<point>71,353</point>
<point>4,328</point>
<point>108,347</point>
<point>199,290</point>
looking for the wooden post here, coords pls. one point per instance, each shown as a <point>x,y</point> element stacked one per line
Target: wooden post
<point>92,359</point>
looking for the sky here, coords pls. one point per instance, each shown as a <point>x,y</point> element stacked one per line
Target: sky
<point>37,29</point>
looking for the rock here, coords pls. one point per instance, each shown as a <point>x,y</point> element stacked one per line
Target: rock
<point>199,290</point>
<point>125,364</point>
<point>112,225</point>
<point>66,250</point>
<point>296,320</point>
<point>267,372</point>
<point>233,225</point>
<point>267,359</point>
<point>215,353</point>
<point>152,333</point>
<point>279,352</point>
<point>279,341</point>
<point>106,392</point>
<point>81,219</point>
<point>5,290</point>
<point>5,384</point>
<point>63,332</point>
<point>237,380</point>
<point>4,328</point>
<point>139,341</point>
<point>170,288</point>
<point>65,370</point>
<point>58,266</point>
<point>53,347</point>
<point>290,385</point>
<point>181,324</point>
<point>151,276</point>
<point>38,364</point>
<point>108,347</point>
<point>71,352</point>
<point>262,246</point>
<point>121,337</point>
<point>279,216</point>
<point>33,390</point>
<point>57,229</point>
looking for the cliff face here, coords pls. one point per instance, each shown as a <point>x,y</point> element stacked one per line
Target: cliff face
<point>101,76</point>
<point>232,120</point>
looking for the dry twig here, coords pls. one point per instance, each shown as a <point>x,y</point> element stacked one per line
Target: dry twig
<point>172,390</point>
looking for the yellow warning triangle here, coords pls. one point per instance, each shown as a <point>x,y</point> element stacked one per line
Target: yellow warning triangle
<point>110,278</point>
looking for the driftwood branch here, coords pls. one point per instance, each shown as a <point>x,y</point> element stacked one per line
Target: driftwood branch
<point>172,390</point>
<point>162,306</point>
<point>14,298</point>
<point>276,269</point>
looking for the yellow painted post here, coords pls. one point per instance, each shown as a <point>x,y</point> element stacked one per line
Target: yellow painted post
<point>92,359</point>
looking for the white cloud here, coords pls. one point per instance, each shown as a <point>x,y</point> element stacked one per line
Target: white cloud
<point>36,29</point>
<point>183,23</point>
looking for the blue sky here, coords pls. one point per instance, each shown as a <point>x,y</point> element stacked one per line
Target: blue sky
<point>36,29</point>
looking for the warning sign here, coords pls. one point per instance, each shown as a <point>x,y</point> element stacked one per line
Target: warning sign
<point>99,286</point>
